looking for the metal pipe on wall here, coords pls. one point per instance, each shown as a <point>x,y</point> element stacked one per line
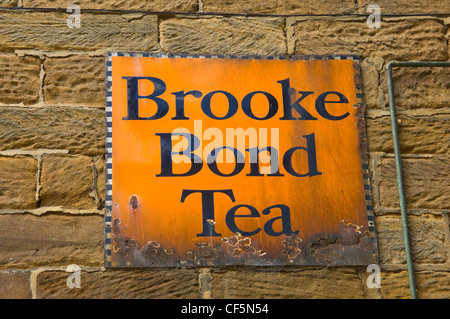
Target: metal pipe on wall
<point>398,164</point>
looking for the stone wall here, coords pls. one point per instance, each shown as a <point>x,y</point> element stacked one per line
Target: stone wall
<point>52,138</point>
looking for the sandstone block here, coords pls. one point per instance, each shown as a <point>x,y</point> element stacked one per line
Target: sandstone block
<point>67,181</point>
<point>306,283</point>
<point>409,39</point>
<point>419,88</point>
<point>395,285</point>
<point>448,37</point>
<point>121,284</point>
<point>76,80</point>
<point>28,241</point>
<point>433,284</point>
<point>149,5</point>
<point>8,3</point>
<point>19,79</point>
<point>49,31</point>
<point>429,284</point>
<point>405,6</point>
<point>18,182</point>
<point>428,239</point>
<point>101,179</point>
<point>79,130</point>
<point>418,134</point>
<point>424,181</point>
<point>15,285</point>
<point>245,36</point>
<point>370,69</point>
<point>279,7</point>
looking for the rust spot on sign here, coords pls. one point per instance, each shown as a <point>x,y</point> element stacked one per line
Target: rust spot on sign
<point>344,245</point>
<point>123,246</point>
<point>134,204</point>
<point>291,246</point>
<point>129,252</point>
<point>361,126</point>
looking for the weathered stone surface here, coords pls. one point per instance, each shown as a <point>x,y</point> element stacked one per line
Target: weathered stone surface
<point>424,181</point>
<point>121,284</point>
<point>76,80</point>
<point>409,39</point>
<point>405,6</point>
<point>28,241</point>
<point>49,31</point>
<point>279,7</point>
<point>67,181</point>
<point>429,284</point>
<point>8,3</point>
<point>419,88</point>
<point>17,182</point>
<point>448,36</point>
<point>15,285</point>
<point>79,130</point>
<point>101,179</point>
<point>395,285</point>
<point>224,36</point>
<point>370,69</point>
<point>148,5</point>
<point>418,134</point>
<point>433,284</point>
<point>296,284</point>
<point>428,239</point>
<point>19,79</point>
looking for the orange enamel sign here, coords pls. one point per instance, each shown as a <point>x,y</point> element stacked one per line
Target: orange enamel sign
<point>236,161</point>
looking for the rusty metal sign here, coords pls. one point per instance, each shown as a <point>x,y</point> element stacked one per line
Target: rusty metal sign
<point>219,160</point>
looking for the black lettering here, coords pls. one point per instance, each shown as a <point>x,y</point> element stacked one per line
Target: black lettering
<point>312,158</point>
<point>254,161</point>
<point>208,221</point>
<point>133,98</point>
<point>232,105</point>
<point>179,103</point>
<point>285,221</point>
<point>273,105</point>
<point>322,110</point>
<point>231,216</point>
<point>288,106</point>
<point>238,156</point>
<point>166,154</point>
